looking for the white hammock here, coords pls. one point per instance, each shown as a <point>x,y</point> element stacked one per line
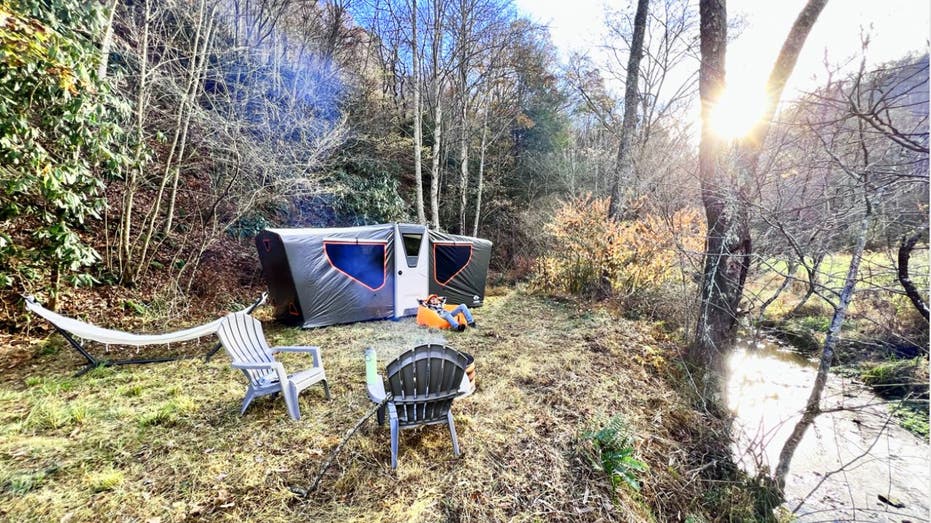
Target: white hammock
<point>69,327</point>
<point>88,331</point>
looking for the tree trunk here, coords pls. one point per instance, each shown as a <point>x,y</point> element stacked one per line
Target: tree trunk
<point>464,50</point>
<point>180,136</point>
<point>813,406</point>
<point>106,42</point>
<point>200,68</point>
<point>625,165</point>
<point>435,168</point>
<point>905,252</point>
<point>438,115</point>
<point>721,274</point>
<point>124,244</point>
<point>728,245</point>
<point>481,171</point>
<point>463,167</point>
<point>812,285</point>
<point>418,138</point>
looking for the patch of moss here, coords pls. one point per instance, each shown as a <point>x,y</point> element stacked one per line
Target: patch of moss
<point>107,479</point>
<point>898,378</point>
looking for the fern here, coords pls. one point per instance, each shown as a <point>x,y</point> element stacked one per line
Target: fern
<point>615,454</point>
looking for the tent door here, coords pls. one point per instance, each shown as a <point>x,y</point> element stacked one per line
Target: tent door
<point>411,268</point>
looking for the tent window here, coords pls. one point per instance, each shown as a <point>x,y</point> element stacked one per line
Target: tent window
<point>363,262</point>
<point>412,248</point>
<point>449,259</point>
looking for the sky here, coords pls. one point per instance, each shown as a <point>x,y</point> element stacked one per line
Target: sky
<point>896,27</point>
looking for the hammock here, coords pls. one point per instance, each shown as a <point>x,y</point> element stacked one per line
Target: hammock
<point>71,328</point>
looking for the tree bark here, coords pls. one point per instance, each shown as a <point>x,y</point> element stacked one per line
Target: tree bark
<point>106,42</point>
<point>905,252</point>
<point>180,136</point>
<point>624,165</point>
<point>481,171</point>
<point>124,245</point>
<point>418,138</point>
<point>200,69</point>
<point>463,112</point>
<point>721,273</point>
<point>752,145</point>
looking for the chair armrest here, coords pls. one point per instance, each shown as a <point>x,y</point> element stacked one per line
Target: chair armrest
<point>313,351</point>
<point>376,391</point>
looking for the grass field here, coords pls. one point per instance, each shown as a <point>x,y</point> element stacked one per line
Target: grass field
<point>166,443</point>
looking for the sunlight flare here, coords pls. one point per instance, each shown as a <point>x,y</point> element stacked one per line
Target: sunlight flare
<point>740,108</point>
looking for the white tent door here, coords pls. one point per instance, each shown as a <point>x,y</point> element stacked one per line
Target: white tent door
<point>411,268</point>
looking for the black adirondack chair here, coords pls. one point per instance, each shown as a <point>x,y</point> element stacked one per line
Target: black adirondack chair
<point>423,383</point>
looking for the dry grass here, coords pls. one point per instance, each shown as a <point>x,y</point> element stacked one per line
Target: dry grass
<point>166,441</point>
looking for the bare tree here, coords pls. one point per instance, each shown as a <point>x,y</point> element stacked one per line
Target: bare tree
<point>418,117</point>
<point>438,74</point>
<point>631,103</point>
<point>728,245</point>
<point>904,253</point>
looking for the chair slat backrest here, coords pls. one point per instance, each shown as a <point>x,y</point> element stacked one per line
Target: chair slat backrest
<point>426,371</point>
<point>244,341</point>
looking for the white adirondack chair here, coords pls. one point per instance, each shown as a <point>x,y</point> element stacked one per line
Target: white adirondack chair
<point>244,341</point>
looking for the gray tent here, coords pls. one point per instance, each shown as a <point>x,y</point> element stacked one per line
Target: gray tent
<point>319,277</point>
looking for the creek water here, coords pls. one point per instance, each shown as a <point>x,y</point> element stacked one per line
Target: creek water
<point>847,459</point>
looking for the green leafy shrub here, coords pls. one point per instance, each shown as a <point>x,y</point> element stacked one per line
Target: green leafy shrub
<point>57,140</point>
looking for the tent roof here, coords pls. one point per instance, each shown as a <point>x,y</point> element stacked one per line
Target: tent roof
<point>324,231</point>
<point>287,234</point>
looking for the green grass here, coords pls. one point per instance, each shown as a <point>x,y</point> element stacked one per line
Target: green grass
<point>906,380</point>
<point>104,480</point>
<point>913,416</point>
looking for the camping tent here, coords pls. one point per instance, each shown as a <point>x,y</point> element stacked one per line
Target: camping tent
<point>320,277</point>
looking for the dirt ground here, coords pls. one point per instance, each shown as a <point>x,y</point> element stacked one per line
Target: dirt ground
<point>166,443</point>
